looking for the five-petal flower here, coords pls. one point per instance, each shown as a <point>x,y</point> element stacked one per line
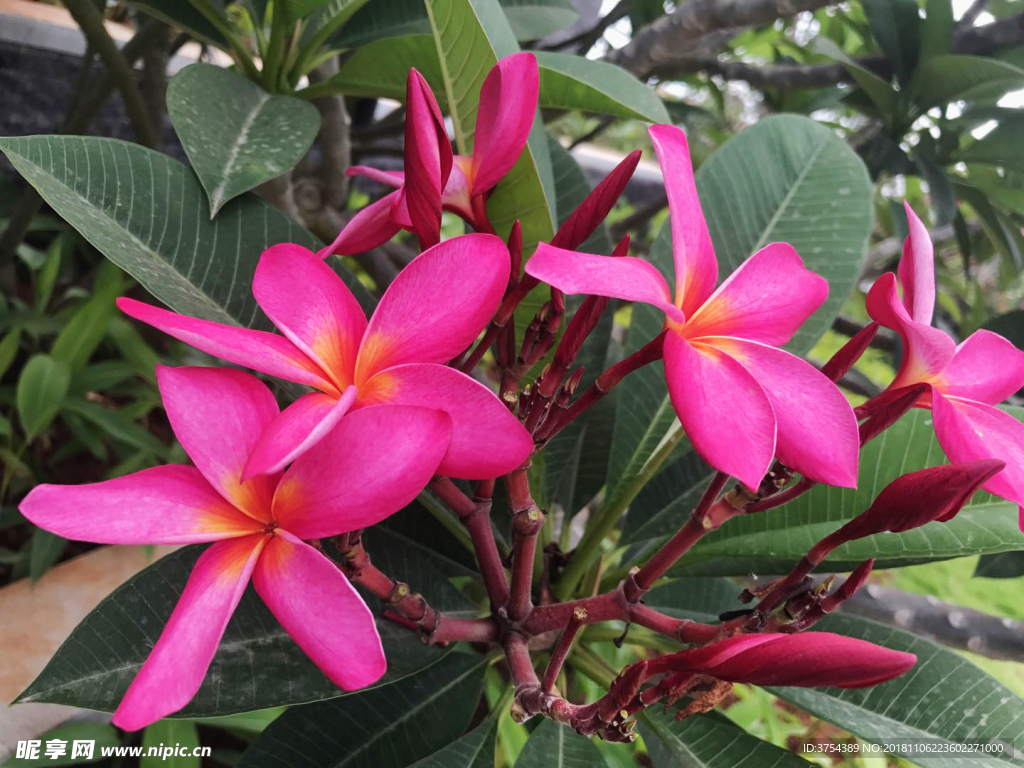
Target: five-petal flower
<point>965,381</point>
<point>434,179</point>
<point>257,525</point>
<point>740,399</point>
<point>432,311</point>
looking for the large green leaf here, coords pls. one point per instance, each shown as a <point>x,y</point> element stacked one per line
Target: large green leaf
<point>148,214</point>
<point>943,699</point>
<point>236,134</point>
<point>380,728</point>
<point>575,82</point>
<point>708,741</point>
<point>529,19</point>
<point>772,541</point>
<point>554,745</point>
<point>787,178</point>
<point>257,664</point>
<point>471,35</point>
<point>943,79</point>
<point>474,750</point>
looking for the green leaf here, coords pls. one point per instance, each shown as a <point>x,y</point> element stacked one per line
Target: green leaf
<point>148,214</point>
<point>45,550</point>
<point>529,20</point>
<point>117,426</point>
<point>882,95</point>
<point>1002,146</point>
<point>575,82</point>
<point>471,35</point>
<point>896,27</point>
<point>474,750</point>
<point>940,188</point>
<point>170,733</point>
<point>708,741</point>
<point>1005,565</point>
<point>936,30</point>
<point>380,68</point>
<point>534,19</point>
<point>237,135</point>
<point>951,78</point>
<point>554,745</point>
<point>179,13</point>
<point>787,178</point>
<point>78,340</point>
<point>380,728</point>
<point>9,346</point>
<point>257,664</point>
<point>773,541</point>
<point>944,698</point>
<point>41,387</point>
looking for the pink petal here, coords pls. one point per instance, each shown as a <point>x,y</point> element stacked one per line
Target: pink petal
<point>298,428</point>
<point>266,352</point>
<point>163,505</point>
<point>487,440</point>
<point>175,669</point>
<point>766,299</point>
<point>725,412</point>
<point>428,159</point>
<point>969,431</point>
<point>917,270</point>
<point>817,431</point>
<point>986,368</point>
<point>368,467</point>
<point>926,350</point>
<point>457,193</point>
<point>374,225</point>
<point>313,307</point>
<point>387,178</point>
<point>694,253</point>
<point>508,103</point>
<point>621,277</point>
<point>218,415</point>
<point>437,305</point>
<point>321,611</point>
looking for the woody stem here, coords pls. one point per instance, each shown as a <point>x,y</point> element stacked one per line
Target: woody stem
<point>527,520</point>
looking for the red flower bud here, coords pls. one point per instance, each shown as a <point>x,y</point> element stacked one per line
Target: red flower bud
<point>428,160</point>
<point>842,361</point>
<point>805,659</point>
<point>912,500</point>
<point>595,207</point>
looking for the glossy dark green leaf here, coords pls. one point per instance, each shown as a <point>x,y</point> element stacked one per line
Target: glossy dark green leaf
<point>936,29</point>
<point>474,750</point>
<point>554,745</point>
<point>388,727</point>
<point>257,665</point>
<point>236,135</point>
<point>943,699</point>
<point>789,179</point>
<point>708,741</point>
<point>148,214</point>
<point>771,542</point>
<point>1005,565</point>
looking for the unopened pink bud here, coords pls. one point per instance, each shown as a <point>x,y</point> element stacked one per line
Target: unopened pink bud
<point>805,659</point>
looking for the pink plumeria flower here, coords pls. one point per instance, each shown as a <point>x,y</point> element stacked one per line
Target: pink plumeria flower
<point>432,311</point>
<point>965,381</point>
<point>257,526</point>
<point>740,399</point>
<point>508,103</point>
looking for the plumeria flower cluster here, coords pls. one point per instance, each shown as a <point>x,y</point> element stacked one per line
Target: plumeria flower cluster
<point>392,410</point>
